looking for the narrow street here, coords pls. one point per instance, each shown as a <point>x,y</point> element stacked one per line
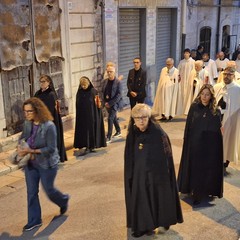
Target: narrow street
<point>97,208</point>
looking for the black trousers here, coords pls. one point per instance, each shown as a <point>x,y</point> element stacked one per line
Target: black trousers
<point>134,101</point>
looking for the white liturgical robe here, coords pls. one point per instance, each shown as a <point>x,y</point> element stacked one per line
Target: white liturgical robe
<point>165,101</point>
<point>231,123</point>
<point>211,67</point>
<point>196,79</point>
<point>185,67</point>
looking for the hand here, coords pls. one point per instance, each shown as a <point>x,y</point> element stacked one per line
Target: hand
<point>107,105</point>
<point>120,77</point>
<point>133,94</point>
<point>23,151</point>
<point>219,69</point>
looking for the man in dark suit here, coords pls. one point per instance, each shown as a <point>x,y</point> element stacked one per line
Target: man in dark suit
<point>113,102</point>
<point>136,83</point>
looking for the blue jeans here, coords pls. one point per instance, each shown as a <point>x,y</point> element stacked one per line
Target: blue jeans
<point>112,119</point>
<point>33,175</point>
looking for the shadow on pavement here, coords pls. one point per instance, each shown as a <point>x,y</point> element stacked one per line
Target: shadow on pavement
<point>219,210</point>
<point>233,177</point>
<point>56,222</point>
<point>170,234</point>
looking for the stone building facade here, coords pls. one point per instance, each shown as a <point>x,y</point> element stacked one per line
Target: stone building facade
<point>97,31</point>
<point>165,29</point>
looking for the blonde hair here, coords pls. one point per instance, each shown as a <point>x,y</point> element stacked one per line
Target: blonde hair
<point>84,79</point>
<point>140,108</point>
<point>110,64</point>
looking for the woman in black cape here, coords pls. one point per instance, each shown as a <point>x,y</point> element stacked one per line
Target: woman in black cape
<point>201,167</point>
<point>89,125</point>
<point>48,95</point>
<point>151,193</point>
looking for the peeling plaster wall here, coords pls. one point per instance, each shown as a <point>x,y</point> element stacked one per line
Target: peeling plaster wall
<point>15,32</point>
<point>46,25</point>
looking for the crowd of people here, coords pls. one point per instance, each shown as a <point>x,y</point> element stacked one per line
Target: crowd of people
<point>207,91</point>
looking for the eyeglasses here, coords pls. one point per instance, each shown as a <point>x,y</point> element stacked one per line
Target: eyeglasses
<point>28,111</point>
<point>136,62</point>
<point>42,81</point>
<point>140,118</point>
<point>228,74</point>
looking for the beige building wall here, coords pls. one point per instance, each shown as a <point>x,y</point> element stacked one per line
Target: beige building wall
<point>82,44</point>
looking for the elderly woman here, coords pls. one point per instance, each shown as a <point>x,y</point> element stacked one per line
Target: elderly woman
<point>40,133</point>
<point>151,193</point>
<point>48,95</point>
<point>201,167</point>
<point>89,126</point>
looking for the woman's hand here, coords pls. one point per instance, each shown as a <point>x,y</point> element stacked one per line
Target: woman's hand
<point>23,151</point>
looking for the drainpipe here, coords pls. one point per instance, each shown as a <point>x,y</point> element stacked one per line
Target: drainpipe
<point>102,5</point>
<point>218,25</point>
<point>184,15</point>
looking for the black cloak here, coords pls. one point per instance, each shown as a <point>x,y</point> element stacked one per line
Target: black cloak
<point>151,193</point>
<point>49,97</point>
<point>89,125</point>
<point>201,166</point>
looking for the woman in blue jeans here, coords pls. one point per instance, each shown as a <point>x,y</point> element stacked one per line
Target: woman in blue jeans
<point>40,133</point>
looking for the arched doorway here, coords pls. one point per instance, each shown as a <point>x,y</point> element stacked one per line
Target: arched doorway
<point>205,38</point>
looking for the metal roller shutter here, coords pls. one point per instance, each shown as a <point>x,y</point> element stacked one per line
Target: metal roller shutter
<point>163,38</point>
<point>129,43</point>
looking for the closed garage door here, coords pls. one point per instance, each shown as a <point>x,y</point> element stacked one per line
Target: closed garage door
<point>164,37</point>
<point>129,42</point>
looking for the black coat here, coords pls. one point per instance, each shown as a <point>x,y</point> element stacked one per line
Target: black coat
<point>201,167</point>
<point>49,97</point>
<point>151,193</point>
<point>138,86</point>
<point>89,125</point>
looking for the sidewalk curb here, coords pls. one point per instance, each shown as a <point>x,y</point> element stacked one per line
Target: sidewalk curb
<point>7,167</point>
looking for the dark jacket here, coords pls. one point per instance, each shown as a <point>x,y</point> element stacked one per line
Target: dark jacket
<point>139,86</point>
<point>115,101</point>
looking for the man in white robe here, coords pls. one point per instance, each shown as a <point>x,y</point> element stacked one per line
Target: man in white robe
<point>165,102</point>
<point>211,67</point>
<point>221,62</point>
<point>185,67</point>
<point>227,95</point>
<point>236,74</point>
<point>197,78</point>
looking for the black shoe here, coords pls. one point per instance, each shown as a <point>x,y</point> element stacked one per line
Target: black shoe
<point>116,135</point>
<point>196,202</point>
<point>29,227</point>
<point>85,151</point>
<point>163,119</point>
<point>166,228</point>
<point>170,119</point>
<point>138,234</point>
<point>64,208</point>
<point>226,164</point>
